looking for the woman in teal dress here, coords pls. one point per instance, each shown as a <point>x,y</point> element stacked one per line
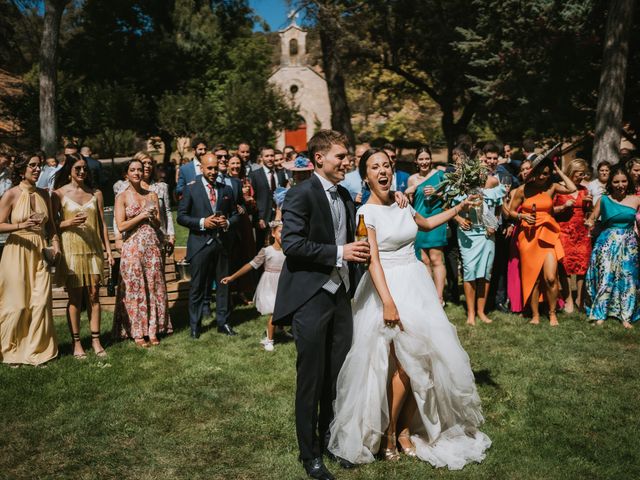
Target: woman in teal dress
<point>429,245</point>
<point>613,275</point>
<point>476,239</point>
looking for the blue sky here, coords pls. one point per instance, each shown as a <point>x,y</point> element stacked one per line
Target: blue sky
<point>273,11</point>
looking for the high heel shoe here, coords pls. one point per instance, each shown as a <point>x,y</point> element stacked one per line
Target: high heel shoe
<point>390,454</point>
<point>411,451</point>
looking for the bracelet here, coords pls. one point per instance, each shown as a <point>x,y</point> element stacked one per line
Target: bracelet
<point>519,216</point>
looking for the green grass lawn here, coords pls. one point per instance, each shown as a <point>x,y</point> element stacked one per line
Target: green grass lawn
<point>559,404</point>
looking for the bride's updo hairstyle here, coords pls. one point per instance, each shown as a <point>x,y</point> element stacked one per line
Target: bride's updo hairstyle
<point>362,166</point>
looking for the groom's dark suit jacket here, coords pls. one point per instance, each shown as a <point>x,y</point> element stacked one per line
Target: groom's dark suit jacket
<point>308,241</point>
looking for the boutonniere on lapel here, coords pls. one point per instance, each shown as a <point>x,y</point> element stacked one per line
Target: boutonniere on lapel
<point>226,197</point>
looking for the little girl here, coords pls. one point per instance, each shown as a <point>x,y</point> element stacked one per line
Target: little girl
<point>272,258</point>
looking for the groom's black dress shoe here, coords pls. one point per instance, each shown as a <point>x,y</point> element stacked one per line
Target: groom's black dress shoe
<point>344,463</point>
<point>316,469</point>
<point>227,330</point>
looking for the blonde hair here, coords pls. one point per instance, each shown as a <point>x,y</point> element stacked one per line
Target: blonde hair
<point>576,164</point>
<point>139,156</point>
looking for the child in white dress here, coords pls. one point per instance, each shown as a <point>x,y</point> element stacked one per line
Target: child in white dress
<point>265,297</point>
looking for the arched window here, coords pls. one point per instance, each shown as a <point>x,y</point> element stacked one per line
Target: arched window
<point>293,47</point>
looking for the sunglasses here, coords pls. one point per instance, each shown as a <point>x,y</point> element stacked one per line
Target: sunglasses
<point>80,169</point>
<point>222,157</point>
<point>34,166</point>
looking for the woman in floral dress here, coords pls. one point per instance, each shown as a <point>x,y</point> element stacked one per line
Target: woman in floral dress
<point>613,277</point>
<point>141,304</point>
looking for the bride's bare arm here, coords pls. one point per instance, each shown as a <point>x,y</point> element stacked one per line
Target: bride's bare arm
<point>443,217</point>
<point>389,311</point>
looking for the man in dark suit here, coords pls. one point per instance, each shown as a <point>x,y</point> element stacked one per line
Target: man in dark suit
<point>207,209</point>
<point>191,170</point>
<point>264,182</point>
<point>244,152</point>
<point>315,288</point>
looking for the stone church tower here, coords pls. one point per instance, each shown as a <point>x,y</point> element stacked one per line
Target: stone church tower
<point>305,87</point>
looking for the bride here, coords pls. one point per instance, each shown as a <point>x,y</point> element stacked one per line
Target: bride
<point>406,372</point>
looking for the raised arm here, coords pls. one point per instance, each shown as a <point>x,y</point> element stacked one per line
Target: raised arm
<point>6,205</point>
<point>568,187</point>
<point>442,217</point>
<point>125,225</point>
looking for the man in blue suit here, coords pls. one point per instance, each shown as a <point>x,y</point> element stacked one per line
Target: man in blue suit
<point>191,170</point>
<point>208,210</point>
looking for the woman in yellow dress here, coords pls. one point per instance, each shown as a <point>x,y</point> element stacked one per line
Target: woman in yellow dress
<point>84,235</point>
<point>27,335</point>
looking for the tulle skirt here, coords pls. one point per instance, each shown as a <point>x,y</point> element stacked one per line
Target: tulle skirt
<point>265,297</point>
<point>445,427</point>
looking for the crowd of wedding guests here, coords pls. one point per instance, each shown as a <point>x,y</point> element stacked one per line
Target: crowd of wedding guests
<point>542,236</point>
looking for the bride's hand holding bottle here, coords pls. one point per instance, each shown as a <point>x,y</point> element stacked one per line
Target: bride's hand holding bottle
<point>390,315</point>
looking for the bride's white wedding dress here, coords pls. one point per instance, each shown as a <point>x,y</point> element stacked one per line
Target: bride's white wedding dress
<point>445,428</point>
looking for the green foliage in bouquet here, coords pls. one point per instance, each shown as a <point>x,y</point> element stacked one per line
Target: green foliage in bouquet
<point>469,174</point>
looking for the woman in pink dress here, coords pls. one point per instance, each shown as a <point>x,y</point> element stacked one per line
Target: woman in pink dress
<point>514,285</point>
<point>570,211</point>
<point>141,303</point>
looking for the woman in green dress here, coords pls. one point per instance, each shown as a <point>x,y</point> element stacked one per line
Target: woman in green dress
<point>429,245</point>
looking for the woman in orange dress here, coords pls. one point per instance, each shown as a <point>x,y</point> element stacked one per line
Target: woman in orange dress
<point>539,237</point>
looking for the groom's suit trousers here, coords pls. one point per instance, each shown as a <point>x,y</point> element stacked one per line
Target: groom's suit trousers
<point>323,329</point>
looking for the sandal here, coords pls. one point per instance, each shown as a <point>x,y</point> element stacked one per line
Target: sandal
<point>99,353</point>
<point>76,339</point>
<point>411,451</point>
<point>154,341</point>
<point>390,454</point>
<point>141,342</point>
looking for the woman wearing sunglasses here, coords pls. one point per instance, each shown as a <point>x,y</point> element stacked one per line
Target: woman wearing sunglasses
<point>84,236</point>
<point>27,335</point>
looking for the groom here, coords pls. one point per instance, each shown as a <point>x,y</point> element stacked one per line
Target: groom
<point>315,290</point>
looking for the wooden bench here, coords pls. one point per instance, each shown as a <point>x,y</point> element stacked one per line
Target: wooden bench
<point>177,290</point>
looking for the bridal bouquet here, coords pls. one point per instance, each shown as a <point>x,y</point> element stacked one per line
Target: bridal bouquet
<point>469,176</point>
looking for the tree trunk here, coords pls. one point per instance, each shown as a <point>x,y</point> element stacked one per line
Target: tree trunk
<point>612,82</point>
<point>340,113</point>
<point>48,75</point>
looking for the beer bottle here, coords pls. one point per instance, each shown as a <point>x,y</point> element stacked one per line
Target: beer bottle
<point>534,214</point>
<point>362,234</point>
